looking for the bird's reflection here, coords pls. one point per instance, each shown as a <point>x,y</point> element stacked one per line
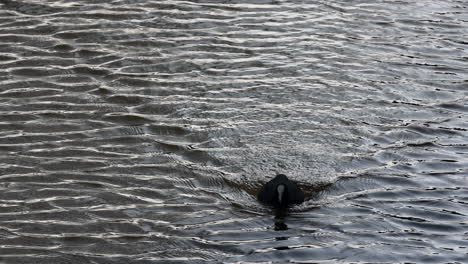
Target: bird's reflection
<point>279,220</point>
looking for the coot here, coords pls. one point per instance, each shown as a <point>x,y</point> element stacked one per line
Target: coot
<point>281,192</point>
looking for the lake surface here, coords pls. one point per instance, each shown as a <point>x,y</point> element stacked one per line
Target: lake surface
<point>141,131</point>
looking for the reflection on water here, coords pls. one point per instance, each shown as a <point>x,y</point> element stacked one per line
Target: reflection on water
<point>280,220</point>
<point>141,131</point>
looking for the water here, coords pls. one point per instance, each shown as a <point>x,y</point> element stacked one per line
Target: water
<point>140,131</point>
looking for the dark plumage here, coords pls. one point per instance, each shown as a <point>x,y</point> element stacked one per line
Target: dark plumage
<point>281,192</point>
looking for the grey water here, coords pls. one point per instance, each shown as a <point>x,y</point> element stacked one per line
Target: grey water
<point>138,131</point>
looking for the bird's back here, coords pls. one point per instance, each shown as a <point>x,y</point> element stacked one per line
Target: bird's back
<point>292,195</point>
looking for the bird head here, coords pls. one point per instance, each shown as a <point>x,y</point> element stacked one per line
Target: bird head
<point>281,190</point>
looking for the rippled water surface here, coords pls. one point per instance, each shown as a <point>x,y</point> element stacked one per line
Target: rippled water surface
<point>140,131</point>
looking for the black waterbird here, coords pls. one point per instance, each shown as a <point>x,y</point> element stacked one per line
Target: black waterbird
<point>281,192</point>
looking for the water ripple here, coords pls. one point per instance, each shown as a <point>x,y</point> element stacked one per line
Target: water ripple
<point>140,131</point>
